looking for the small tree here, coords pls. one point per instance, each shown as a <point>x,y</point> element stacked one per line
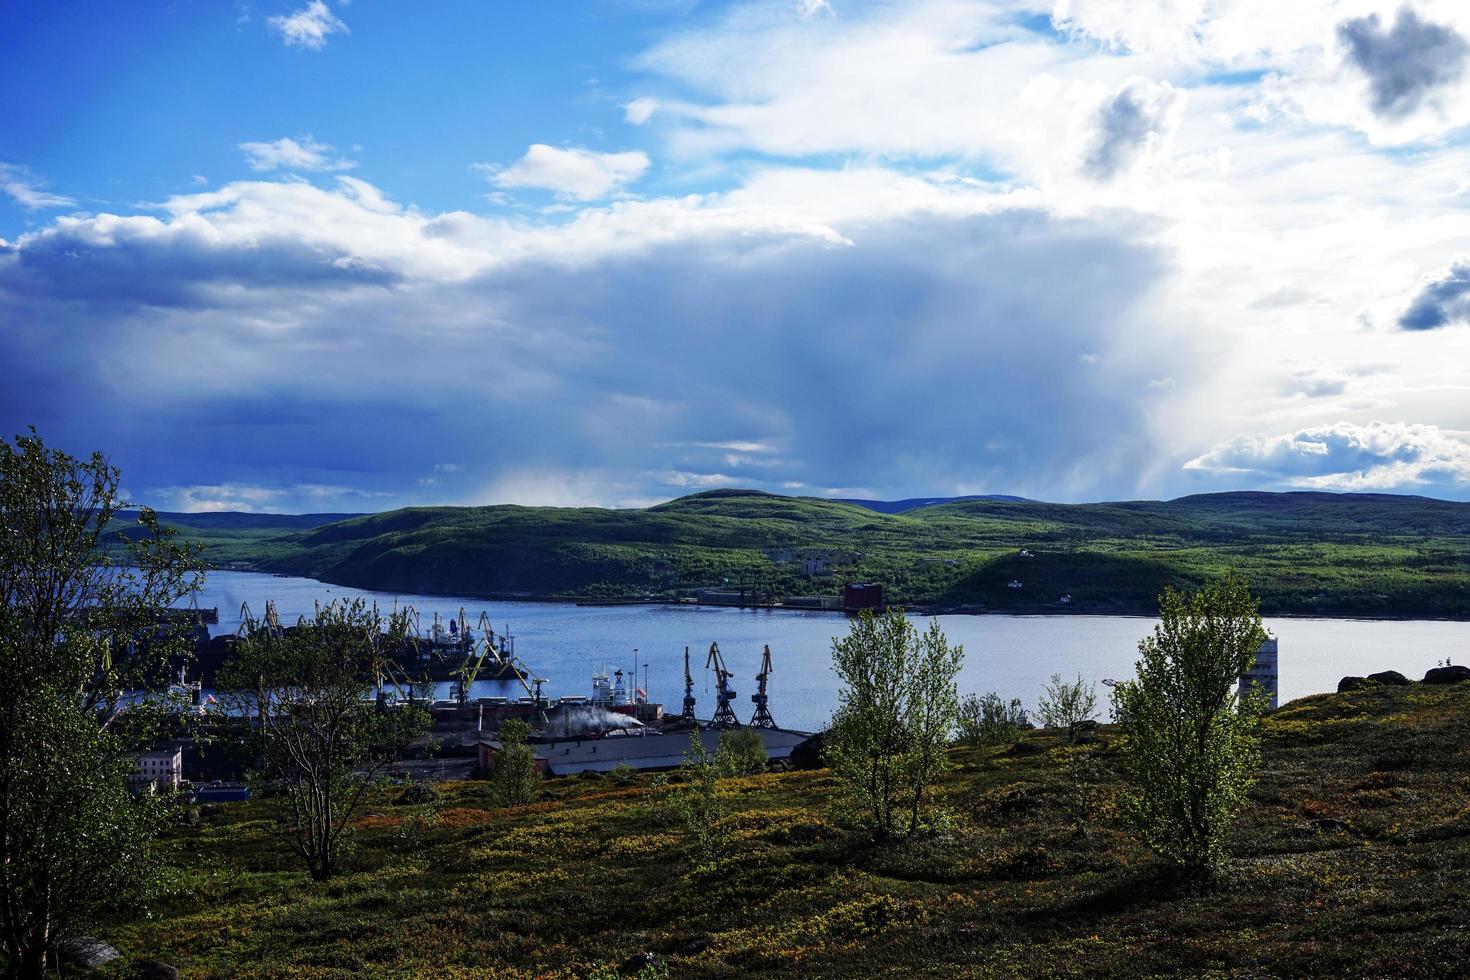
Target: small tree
<point>1191,746</point>
<point>990,721</point>
<point>741,752</point>
<point>318,738</point>
<point>513,777</point>
<point>1067,704</point>
<point>889,738</point>
<point>82,624</point>
<point>697,807</point>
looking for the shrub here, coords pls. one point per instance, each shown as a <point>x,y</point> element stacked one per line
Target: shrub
<point>1066,704</point>
<point>741,752</point>
<point>1191,744</point>
<point>889,739</point>
<point>513,778</point>
<point>988,720</point>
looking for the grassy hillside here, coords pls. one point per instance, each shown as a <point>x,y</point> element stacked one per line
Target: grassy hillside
<point>1351,860</point>
<point>1364,554</point>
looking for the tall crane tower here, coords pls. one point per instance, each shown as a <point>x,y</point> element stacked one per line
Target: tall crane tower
<point>688,713</point>
<point>762,717</point>
<point>724,693</point>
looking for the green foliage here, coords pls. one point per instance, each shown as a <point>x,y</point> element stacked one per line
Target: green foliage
<point>513,777</point>
<point>585,878</point>
<point>80,625</point>
<point>697,808</point>
<point>1306,552</point>
<point>318,740</point>
<point>1192,746</point>
<point>741,752</point>
<point>1066,704</point>
<point>896,709</point>
<point>988,720</point>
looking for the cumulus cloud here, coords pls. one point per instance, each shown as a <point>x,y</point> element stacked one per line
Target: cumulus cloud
<point>574,173</point>
<point>1138,122</point>
<point>644,347</point>
<point>308,27</point>
<point>1348,456</point>
<point>301,153</point>
<point>1405,64</point>
<point>24,189</point>
<point>1441,300</point>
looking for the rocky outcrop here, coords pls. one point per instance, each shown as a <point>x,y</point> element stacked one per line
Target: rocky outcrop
<point>1354,684</point>
<point>87,952</point>
<point>1447,675</point>
<point>1390,678</point>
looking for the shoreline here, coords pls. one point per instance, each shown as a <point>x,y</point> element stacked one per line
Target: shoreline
<point>918,609</point>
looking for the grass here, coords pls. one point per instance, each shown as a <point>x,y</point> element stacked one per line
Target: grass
<point>1351,860</point>
<point>1305,553</point>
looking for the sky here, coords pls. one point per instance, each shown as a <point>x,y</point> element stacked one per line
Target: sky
<point>310,255</point>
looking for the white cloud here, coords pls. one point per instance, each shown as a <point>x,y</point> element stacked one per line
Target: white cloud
<point>572,174</point>
<point>810,8</point>
<point>23,189</point>
<point>639,111</point>
<point>308,27</point>
<point>301,153</point>
<point>1347,456</point>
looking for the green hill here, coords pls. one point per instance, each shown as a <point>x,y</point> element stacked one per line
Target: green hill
<point>1352,859</point>
<point>1309,553</point>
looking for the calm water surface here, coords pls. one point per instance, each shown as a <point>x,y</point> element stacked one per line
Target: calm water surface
<point>1011,655</point>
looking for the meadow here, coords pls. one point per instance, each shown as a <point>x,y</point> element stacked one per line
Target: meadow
<point>1352,859</point>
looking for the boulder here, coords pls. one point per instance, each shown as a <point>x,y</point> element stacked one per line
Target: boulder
<point>1447,675</point>
<point>1025,747</point>
<point>1354,684</point>
<point>808,754</point>
<point>1390,678</point>
<point>154,970</point>
<point>87,952</point>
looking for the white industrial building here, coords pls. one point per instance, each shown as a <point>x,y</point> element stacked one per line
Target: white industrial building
<point>1263,672</point>
<point>158,771</point>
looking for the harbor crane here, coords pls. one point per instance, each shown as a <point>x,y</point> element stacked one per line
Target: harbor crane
<point>762,717</point>
<point>724,693</point>
<point>688,713</point>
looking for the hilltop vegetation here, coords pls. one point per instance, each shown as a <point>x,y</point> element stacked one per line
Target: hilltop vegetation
<point>1352,859</point>
<point>1331,554</point>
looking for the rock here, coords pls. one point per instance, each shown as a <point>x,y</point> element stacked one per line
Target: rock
<point>1391,678</point>
<point>1354,684</point>
<point>154,970</point>
<point>694,946</point>
<point>642,961</point>
<point>1326,825</point>
<point>1025,747</point>
<point>87,952</point>
<point>808,754</point>
<point>1447,675</point>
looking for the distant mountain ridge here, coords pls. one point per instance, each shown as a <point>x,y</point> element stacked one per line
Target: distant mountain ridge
<point>1301,552</point>
<point>914,503</point>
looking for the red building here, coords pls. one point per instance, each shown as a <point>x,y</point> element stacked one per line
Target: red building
<point>862,595</point>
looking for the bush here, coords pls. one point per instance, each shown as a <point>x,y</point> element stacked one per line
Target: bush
<point>513,778</point>
<point>990,721</point>
<point>1066,704</point>
<point>889,739</point>
<point>1191,744</point>
<point>742,752</point>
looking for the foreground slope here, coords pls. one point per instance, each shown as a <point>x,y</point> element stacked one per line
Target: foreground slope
<point>1335,554</point>
<point>1352,860</point>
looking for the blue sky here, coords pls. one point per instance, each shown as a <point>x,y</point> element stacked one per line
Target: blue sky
<point>309,255</point>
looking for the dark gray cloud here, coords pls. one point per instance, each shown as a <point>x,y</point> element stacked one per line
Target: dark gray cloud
<point>1140,115</point>
<point>1442,301</point>
<point>1405,64</point>
<point>931,354</point>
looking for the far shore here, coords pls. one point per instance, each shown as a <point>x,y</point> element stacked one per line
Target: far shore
<point>918,609</point>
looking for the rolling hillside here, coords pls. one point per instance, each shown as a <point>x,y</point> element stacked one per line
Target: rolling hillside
<point>1307,553</point>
